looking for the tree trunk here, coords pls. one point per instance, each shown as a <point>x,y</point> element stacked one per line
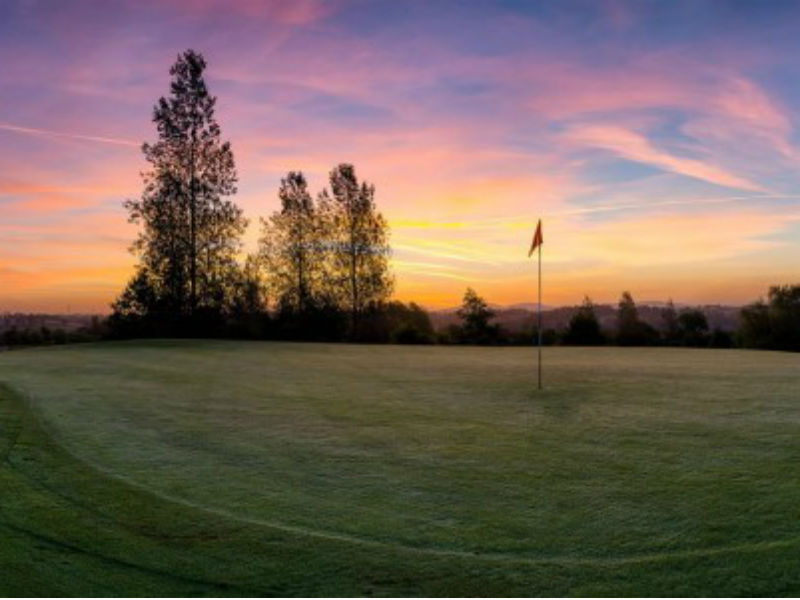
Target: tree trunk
<point>301,289</point>
<point>193,227</point>
<point>353,283</point>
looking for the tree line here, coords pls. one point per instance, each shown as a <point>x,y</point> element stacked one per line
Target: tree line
<point>774,324</point>
<point>771,324</point>
<point>322,261</point>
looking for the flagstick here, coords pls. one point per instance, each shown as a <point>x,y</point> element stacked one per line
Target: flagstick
<point>540,316</point>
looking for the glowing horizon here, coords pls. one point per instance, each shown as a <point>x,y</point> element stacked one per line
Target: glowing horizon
<point>657,142</point>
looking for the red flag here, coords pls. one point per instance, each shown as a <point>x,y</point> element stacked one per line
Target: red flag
<point>537,239</point>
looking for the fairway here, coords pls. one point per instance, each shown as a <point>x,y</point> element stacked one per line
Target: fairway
<point>254,468</point>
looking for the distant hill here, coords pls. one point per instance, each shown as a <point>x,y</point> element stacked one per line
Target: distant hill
<point>520,317</point>
<point>514,318</point>
<point>71,322</point>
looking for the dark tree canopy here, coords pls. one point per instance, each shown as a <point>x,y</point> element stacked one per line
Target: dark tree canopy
<point>694,327</point>
<point>632,331</point>
<point>190,231</point>
<point>670,326</point>
<point>475,315</point>
<point>784,316</point>
<point>774,324</point>
<point>584,328</point>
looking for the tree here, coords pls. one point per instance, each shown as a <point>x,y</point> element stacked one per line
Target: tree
<point>138,298</point>
<point>628,323</point>
<point>397,323</point>
<point>189,233</point>
<point>292,247</point>
<point>694,327</point>
<point>584,328</point>
<point>248,315</point>
<point>784,317</point>
<point>631,331</point>
<point>755,330</point>
<point>413,326</point>
<point>775,324</point>
<point>249,294</point>
<point>475,315</point>
<point>358,248</point>
<point>669,318</point>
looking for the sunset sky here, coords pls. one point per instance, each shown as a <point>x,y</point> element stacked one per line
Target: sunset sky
<point>658,141</point>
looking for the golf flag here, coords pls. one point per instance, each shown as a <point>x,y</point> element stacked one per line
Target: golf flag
<point>537,239</point>
<point>537,242</point>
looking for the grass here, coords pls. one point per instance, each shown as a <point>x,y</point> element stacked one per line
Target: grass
<point>249,468</point>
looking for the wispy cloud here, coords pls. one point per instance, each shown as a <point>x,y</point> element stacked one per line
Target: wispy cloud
<point>633,146</point>
<point>74,136</point>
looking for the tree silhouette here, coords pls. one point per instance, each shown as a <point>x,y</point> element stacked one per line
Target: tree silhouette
<point>292,246</point>
<point>694,327</point>
<point>632,331</point>
<point>775,324</point>
<point>784,316</point>
<point>475,315</point>
<point>669,318</point>
<point>584,328</point>
<point>627,319</point>
<point>189,233</point>
<point>357,244</point>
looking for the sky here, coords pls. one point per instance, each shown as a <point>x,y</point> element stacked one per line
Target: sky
<point>659,142</point>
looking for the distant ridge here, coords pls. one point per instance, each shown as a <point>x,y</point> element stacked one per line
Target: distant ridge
<point>516,317</point>
<point>522,316</point>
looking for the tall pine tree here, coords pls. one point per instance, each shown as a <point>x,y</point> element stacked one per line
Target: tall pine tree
<point>190,231</point>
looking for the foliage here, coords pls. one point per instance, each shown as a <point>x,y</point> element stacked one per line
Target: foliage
<point>584,328</point>
<point>693,327</point>
<point>632,331</point>
<point>720,339</point>
<point>773,325</point>
<point>357,248</point>
<point>292,248</point>
<point>784,316</point>
<point>248,316</point>
<point>397,323</point>
<point>189,232</point>
<point>475,315</point>
<point>671,331</point>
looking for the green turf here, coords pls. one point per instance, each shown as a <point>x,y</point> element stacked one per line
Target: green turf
<point>236,468</point>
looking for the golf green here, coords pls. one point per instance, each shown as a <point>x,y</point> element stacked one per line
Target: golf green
<point>253,468</point>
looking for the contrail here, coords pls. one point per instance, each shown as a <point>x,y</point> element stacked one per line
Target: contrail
<point>74,136</point>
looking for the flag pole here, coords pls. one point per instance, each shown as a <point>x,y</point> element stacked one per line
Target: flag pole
<point>540,316</point>
<point>536,244</point>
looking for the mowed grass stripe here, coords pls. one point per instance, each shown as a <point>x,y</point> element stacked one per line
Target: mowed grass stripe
<point>758,546</point>
<point>388,564</point>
